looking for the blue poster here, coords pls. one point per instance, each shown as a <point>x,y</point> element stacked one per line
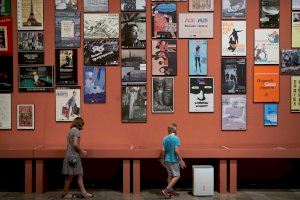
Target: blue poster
<point>94,84</point>
<point>197,57</point>
<point>270,114</point>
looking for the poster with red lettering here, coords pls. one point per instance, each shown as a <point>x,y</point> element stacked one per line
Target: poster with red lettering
<point>6,36</point>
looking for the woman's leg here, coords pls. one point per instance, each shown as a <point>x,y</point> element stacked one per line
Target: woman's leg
<point>67,183</point>
<point>82,188</point>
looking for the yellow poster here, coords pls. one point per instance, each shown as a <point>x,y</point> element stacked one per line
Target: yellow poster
<point>295,94</point>
<point>295,29</point>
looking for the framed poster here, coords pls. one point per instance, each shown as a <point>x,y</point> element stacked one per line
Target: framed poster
<point>162,94</point>
<point>134,106</point>
<point>295,4</point>
<point>133,5</point>
<point>197,57</point>
<point>201,5</point>
<point>201,94</point>
<point>266,46</point>
<point>94,84</point>
<point>234,75</point>
<point>5,111</point>
<point>295,29</point>
<point>234,113</point>
<point>164,57</point>
<point>6,46</point>
<point>133,30</point>
<point>5,7</point>
<point>295,93</point>
<point>67,103</point>
<point>290,62</point>
<point>164,20</point>
<point>101,52</point>
<point>30,47</point>
<point>95,6</point>
<point>66,66</point>
<point>271,114</point>
<point>234,9</point>
<point>6,74</point>
<point>66,5</point>
<point>30,14</point>
<point>269,14</point>
<point>67,29</point>
<point>266,84</point>
<point>134,70</point>
<point>196,25</point>
<point>101,25</point>
<point>234,38</point>
<point>36,79</point>
<point>25,116</point>
<point>170,0</point>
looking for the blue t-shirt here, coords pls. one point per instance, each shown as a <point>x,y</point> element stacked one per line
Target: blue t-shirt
<point>170,142</point>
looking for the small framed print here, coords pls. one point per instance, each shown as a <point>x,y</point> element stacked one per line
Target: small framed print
<point>295,94</point>
<point>94,84</point>
<point>66,5</point>
<point>96,6</point>
<point>234,9</point>
<point>25,116</point>
<point>271,114</point>
<point>5,111</point>
<point>6,41</point>
<point>133,5</point>
<point>162,94</point>
<point>66,66</point>
<point>201,5</point>
<point>295,4</point>
<point>197,57</point>
<point>5,7</point>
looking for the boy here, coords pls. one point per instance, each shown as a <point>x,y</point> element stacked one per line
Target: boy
<point>171,159</point>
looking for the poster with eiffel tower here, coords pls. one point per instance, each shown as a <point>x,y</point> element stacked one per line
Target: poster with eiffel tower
<point>30,15</point>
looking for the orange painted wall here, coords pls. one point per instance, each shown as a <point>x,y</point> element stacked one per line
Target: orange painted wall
<point>103,121</point>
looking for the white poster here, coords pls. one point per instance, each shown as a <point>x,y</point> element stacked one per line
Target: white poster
<point>234,38</point>
<point>295,4</point>
<point>67,29</point>
<point>5,111</point>
<point>196,25</point>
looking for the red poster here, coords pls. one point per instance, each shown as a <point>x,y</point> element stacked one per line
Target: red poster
<point>5,36</point>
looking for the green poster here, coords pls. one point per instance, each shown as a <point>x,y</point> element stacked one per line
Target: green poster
<point>4,7</point>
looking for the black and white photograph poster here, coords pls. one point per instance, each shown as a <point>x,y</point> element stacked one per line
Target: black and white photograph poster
<point>290,61</point>
<point>5,111</point>
<point>133,5</point>
<point>162,94</point>
<point>66,66</point>
<point>234,9</point>
<point>96,6</point>
<point>66,5</point>
<point>269,14</point>
<point>6,74</point>
<point>201,5</point>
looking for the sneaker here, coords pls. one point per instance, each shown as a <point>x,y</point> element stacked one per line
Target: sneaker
<point>166,193</point>
<point>173,193</point>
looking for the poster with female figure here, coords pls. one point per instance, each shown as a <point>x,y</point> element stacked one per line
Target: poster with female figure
<point>197,57</point>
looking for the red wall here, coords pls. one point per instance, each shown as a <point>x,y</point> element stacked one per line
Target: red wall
<point>103,121</point>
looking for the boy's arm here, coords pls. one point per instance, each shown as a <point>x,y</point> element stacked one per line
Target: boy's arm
<point>181,162</point>
<point>162,156</point>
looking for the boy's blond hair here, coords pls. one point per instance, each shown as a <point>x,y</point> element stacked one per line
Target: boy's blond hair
<point>171,129</point>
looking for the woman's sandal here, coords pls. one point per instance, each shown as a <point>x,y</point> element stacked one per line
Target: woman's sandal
<point>86,195</point>
<point>67,196</point>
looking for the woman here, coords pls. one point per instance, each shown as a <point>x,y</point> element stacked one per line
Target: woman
<point>130,36</point>
<point>72,162</point>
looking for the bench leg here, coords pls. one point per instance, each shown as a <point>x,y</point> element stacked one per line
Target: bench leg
<point>39,177</point>
<point>222,176</point>
<point>126,176</point>
<point>136,176</point>
<point>233,176</point>
<point>28,176</point>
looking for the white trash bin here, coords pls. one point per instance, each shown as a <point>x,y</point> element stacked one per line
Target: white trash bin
<point>203,180</point>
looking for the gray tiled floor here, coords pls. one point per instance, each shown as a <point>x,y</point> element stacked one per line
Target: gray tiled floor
<point>155,194</point>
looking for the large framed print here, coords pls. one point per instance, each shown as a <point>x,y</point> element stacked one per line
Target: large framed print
<point>36,78</point>
<point>68,104</point>
<point>271,114</point>
<point>133,5</point>
<point>5,111</point>
<point>101,52</point>
<point>66,66</point>
<point>234,75</point>
<point>95,6</point>
<point>295,29</point>
<point>201,94</point>
<point>266,84</point>
<point>133,30</point>
<point>266,46</point>
<point>295,93</point>
<point>94,84</point>
<point>234,9</point>
<point>164,57</point>
<point>67,29</point>
<point>6,74</point>
<point>234,38</point>
<point>30,47</point>
<point>234,113</point>
<point>295,4</point>
<point>25,116</point>
<point>197,57</point>
<point>162,94</point>
<point>5,7</point>
<point>30,14</point>
<point>201,5</point>
<point>6,43</point>
<point>66,5</point>
<point>269,14</point>
<point>101,25</point>
<point>134,70</point>
<point>164,20</point>
<point>290,61</point>
<point>196,25</point>
<point>134,106</point>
